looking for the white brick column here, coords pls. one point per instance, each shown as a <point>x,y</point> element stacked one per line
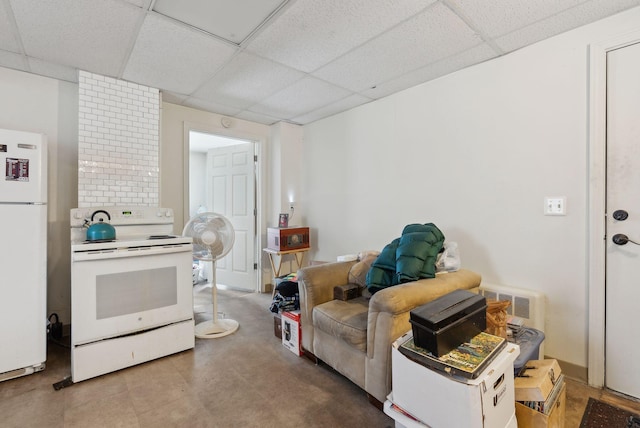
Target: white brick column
<point>118,142</point>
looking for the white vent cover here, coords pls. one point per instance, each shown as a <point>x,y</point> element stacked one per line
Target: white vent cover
<point>526,304</point>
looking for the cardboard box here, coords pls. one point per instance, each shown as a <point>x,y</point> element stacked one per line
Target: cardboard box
<point>292,332</point>
<point>277,326</point>
<point>540,377</point>
<point>530,418</point>
<point>440,400</point>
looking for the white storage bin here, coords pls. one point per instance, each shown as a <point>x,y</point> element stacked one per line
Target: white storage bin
<point>402,421</point>
<point>440,400</point>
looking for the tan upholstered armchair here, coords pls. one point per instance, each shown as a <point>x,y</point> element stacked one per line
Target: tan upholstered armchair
<point>355,336</point>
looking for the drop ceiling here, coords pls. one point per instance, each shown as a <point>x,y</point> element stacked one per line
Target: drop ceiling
<point>276,60</point>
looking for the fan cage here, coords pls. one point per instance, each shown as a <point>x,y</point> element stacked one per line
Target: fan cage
<point>213,236</point>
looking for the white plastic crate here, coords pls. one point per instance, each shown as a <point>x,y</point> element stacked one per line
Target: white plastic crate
<point>440,400</point>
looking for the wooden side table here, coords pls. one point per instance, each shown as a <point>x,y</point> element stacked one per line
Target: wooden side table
<point>298,255</point>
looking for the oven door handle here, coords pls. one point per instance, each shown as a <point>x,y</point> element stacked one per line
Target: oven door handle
<point>117,253</point>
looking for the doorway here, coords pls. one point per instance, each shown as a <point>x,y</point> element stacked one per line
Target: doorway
<point>222,179</point>
<point>608,278</point>
<point>622,368</point>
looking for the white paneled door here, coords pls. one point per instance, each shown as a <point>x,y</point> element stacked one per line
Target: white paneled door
<point>231,192</point>
<point>622,365</point>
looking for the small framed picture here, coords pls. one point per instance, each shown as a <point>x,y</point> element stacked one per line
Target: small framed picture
<point>284,220</point>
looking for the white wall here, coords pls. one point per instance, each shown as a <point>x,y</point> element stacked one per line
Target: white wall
<point>286,151</point>
<point>175,123</point>
<point>197,181</point>
<point>474,152</point>
<point>39,104</point>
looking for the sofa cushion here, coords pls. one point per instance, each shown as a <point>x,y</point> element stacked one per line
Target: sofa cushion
<point>346,320</point>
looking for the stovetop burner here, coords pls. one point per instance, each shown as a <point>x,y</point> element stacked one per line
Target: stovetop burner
<point>124,242</point>
<point>135,227</point>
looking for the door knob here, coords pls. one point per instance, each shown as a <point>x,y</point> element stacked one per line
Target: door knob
<point>620,215</point>
<point>622,239</point>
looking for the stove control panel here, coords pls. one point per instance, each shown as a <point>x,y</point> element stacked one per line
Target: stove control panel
<point>123,216</point>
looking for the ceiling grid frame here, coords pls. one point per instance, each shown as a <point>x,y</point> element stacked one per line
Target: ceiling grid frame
<point>296,62</point>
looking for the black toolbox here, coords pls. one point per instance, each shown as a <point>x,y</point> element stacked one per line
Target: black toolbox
<point>448,321</point>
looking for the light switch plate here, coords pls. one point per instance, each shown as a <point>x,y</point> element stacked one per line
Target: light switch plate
<point>555,205</point>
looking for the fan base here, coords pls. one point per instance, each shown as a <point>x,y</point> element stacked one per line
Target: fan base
<point>215,329</point>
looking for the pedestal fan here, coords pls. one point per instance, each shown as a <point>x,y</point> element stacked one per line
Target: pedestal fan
<point>213,237</point>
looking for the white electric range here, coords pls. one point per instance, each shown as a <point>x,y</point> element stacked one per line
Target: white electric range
<point>131,298</point>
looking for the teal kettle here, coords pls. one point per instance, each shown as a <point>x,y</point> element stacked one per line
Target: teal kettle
<point>100,231</point>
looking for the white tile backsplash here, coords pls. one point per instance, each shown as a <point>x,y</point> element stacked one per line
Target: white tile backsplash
<point>118,142</point>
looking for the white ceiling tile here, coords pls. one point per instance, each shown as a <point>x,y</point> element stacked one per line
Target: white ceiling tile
<point>174,57</point>
<point>173,97</point>
<point>331,109</point>
<point>568,20</point>
<point>257,117</point>
<point>57,71</point>
<point>612,6</point>
<point>427,38</point>
<point>246,80</point>
<point>8,30</point>
<point>208,105</point>
<point>301,97</point>
<point>140,3</point>
<point>92,35</point>
<point>313,32</point>
<point>13,60</point>
<point>498,17</point>
<point>305,62</point>
<point>448,65</point>
<point>230,20</point>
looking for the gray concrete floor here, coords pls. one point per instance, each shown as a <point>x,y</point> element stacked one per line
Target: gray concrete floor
<point>247,379</point>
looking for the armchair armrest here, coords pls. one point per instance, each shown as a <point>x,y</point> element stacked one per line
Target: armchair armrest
<point>405,297</point>
<point>389,319</point>
<point>315,286</point>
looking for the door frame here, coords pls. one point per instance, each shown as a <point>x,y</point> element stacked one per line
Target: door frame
<point>260,149</point>
<point>597,201</point>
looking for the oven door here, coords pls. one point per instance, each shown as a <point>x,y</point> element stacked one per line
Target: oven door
<point>119,292</point>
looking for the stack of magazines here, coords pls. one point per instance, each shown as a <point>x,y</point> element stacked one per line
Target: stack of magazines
<point>467,361</point>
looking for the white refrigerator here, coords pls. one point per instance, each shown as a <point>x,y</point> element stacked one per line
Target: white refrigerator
<point>23,253</point>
